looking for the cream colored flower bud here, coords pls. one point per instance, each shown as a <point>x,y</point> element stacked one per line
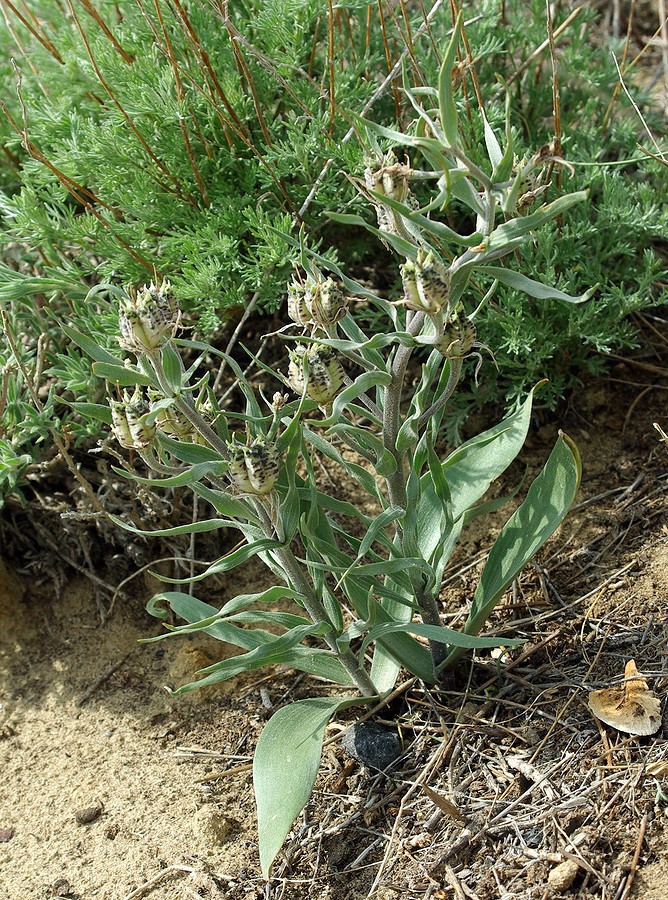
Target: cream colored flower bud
<point>279,400</point>
<point>433,285</point>
<point>412,298</point>
<point>325,373</point>
<point>129,421</point>
<point>316,303</point>
<point>459,337</point>
<point>391,179</point>
<point>170,421</point>
<point>254,468</point>
<point>119,425</point>
<point>148,319</point>
<point>426,285</point>
<point>328,304</point>
<point>298,308</point>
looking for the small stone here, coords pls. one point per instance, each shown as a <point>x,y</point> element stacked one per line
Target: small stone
<point>6,834</point>
<point>372,744</point>
<point>563,875</point>
<point>213,828</point>
<point>88,814</point>
<point>60,889</point>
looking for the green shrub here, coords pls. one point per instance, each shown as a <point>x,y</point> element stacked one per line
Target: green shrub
<point>173,144</point>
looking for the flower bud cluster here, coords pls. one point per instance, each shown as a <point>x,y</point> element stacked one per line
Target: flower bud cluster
<point>459,337</point>
<point>391,179</point>
<point>253,468</point>
<point>316,370</point>
<point>318,304</point>
<point>128,417</point>
<point>170,421</point>
<point>147,319</point>
<point>426,285</point>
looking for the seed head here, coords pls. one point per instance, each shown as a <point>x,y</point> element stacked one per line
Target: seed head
<point>316,303</point>
<point>458,338</point>
<point>391,179</point>
<point>426,285</point>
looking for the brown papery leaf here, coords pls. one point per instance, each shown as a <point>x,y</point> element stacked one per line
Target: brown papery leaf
<point>445,805</point>
<point>630,707</point>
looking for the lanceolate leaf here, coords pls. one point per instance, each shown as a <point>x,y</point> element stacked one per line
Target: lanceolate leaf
<point>92,411</point>
<point>436,633</point>
<point>173,367</point>
<point>202,617</point>
<point>91,347</point>
<point>191,528</point>
<point>469,471</point>
<point>190,476</point>
<point>548,500</point>
<point>533,288</point>
<point>287,759</point>
<point>225,504</point>
<point>508,233</point>
<point>228,562</point>
<point>120,375</point>
<point>187,452</point>
<point>429,226</point>
<point>279,651</point>
<point>446,103</point>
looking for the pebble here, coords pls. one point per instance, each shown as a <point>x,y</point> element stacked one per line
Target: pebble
<point>563,875</point>
<point>212,827</point>
<point>88,814</point>
<point>372,744</point>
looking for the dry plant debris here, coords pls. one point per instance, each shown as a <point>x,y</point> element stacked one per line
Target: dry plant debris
<point>630,707</point>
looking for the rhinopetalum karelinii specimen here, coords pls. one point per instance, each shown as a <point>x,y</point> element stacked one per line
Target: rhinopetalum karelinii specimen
<point>366,584</point>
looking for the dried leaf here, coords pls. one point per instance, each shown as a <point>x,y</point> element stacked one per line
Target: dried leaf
<point>444,804</point>
<point>630,707</point>
<point>658,768</point>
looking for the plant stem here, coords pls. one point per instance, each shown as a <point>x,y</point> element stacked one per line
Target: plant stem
<point>396,483</point>
<point>187,409</point>
<point>453,380</point>
<point>312,604</point>
<point>430,616</point>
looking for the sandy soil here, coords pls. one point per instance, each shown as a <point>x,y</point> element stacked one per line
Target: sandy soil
<point>113,790</point>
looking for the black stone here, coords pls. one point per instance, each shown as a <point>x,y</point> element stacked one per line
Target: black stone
<point>372,744</point>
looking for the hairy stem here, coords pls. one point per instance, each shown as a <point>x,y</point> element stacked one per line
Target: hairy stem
<point>453,380</point>
<point>312,604</point>
<point>430,616</point>
<point>188,410</point>
<point>396,483</point>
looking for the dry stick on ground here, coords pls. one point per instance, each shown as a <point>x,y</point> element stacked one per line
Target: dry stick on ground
<point>627,881</point>
<point>164,873</point>
<point>435,760</point>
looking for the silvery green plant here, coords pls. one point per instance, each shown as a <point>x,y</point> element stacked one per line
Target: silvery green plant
<point>365,585</point>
